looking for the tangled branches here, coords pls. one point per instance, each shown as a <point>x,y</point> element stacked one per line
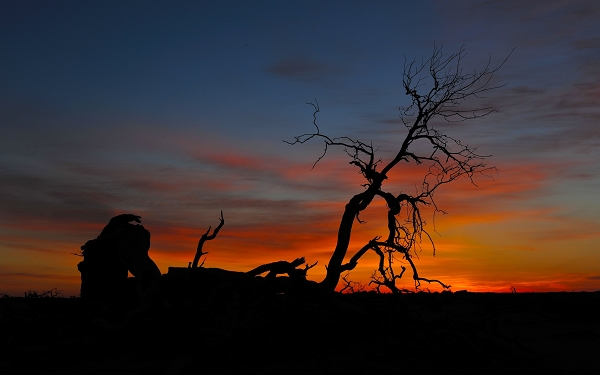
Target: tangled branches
<point>437,88</point>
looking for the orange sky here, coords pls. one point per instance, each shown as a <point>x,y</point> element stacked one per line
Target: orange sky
<point>494,236</point>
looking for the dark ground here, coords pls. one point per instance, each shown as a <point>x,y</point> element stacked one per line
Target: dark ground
<point>361,333</point>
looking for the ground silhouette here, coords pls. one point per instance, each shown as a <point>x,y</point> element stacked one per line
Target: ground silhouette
<point>234,332</point>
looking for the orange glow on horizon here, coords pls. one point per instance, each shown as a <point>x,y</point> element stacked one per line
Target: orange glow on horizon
<point>489,241</point>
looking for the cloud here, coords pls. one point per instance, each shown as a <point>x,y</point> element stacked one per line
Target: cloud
<point>561,120</point>
<point>25,197</point>
<point>15,283</point>
<point>527,23</point>
<point>13,276</point>
<point>587,43</point>
<point>302,69</point>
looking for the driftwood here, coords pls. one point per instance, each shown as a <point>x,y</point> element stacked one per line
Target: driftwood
<point>123,246</point>
<point>202,277</point>
<point>202,280</point>
<point>283,267</point>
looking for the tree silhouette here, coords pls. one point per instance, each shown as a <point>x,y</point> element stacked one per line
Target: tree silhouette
<point>437,88</point>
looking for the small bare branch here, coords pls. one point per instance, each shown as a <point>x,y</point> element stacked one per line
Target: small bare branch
<point>206,237</point>
<point>351,286</point>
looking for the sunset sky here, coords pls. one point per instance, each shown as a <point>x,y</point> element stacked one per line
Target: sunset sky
<point>177,111</point>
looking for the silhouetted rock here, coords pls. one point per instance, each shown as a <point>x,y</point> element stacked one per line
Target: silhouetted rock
<point>120,247</point>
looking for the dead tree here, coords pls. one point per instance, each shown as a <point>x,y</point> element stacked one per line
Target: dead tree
<point>436,87</point>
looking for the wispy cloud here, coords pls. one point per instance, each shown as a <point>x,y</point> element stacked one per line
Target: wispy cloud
<point>302,69</point>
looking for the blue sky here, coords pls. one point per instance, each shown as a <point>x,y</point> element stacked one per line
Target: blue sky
<point>176,111</point>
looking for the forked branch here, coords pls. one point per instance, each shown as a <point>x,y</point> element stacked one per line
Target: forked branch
<point>206,237</point>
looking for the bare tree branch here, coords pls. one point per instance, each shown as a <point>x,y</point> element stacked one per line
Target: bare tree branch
<point>206,237</point>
